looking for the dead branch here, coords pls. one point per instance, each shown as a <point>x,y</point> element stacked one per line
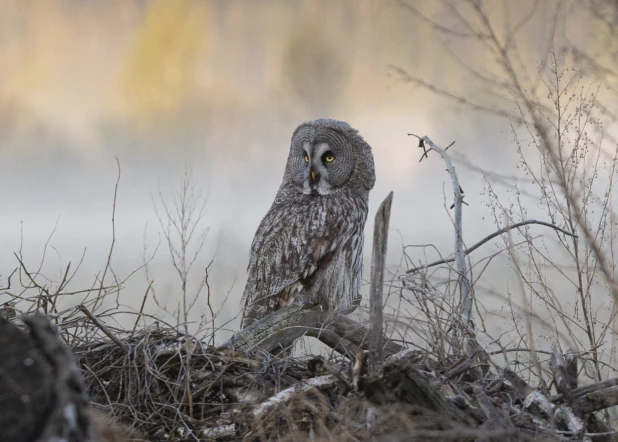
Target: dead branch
<point>562,378</point>
<point>598,400</point>
<point>103,328</point>
<point>520,386</point>
<point>282,327</point>
<point>277,330</point>
<point>376,304</point>
<point>222,432</point>
<point>465,291</point>
<point>489,238</point>
<point>283,396</point>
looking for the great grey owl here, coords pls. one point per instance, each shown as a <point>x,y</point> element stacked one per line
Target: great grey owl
<point>309,246</point>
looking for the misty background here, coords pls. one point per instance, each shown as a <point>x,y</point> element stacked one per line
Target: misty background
<point>219,87</point>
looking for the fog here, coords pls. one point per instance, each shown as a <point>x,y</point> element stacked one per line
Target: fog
<point>220,87</point>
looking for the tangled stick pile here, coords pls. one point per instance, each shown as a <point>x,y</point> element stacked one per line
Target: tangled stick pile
<point>170,388</point>
<point>176,389</point>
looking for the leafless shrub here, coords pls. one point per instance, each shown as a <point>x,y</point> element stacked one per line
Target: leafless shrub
<point>563,128</point>
<point>181,219</point>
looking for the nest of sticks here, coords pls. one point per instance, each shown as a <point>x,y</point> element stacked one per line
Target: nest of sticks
<point>169,387</point>
<point>172,388</point>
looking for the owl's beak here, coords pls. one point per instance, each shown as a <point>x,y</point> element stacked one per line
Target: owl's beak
<point>313,175</point>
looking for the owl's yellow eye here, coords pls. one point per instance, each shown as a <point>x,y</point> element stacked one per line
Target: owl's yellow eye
<point>306,159</point>
<point>329,158</point>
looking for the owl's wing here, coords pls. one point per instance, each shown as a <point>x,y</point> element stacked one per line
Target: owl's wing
<point>290,245</point>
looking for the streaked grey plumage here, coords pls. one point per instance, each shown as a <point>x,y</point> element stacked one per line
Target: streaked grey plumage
<point>309,245</point>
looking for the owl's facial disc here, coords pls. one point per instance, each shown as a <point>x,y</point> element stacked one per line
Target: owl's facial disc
<point>314,173</point>
<point>320,161</point>
<point>306,168</point>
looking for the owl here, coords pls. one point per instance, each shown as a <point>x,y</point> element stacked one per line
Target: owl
<point>309,246</point>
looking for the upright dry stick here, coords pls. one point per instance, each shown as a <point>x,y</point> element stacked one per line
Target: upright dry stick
<point>376,305</point>
<point>460,252</point>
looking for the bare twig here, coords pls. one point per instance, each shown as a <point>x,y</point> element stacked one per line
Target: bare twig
<point>103,328</point>
<point>141,309</point>
<point>111,247</point>
<point>8,284</point>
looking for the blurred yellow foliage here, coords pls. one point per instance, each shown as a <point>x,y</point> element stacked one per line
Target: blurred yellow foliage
<point>31,63</point>
<point>159,69</point>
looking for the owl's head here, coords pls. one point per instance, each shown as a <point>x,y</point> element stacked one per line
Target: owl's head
<point>326,155</point>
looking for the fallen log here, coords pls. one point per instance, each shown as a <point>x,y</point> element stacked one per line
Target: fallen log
<point>598,400</point>
<point>279,329</point>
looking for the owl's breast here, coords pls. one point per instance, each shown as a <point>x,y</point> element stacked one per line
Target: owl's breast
<point>308,250</point>
<point>337,277</point>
